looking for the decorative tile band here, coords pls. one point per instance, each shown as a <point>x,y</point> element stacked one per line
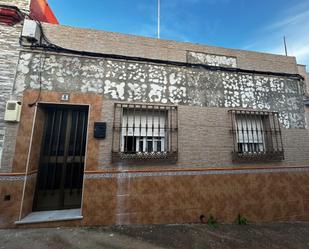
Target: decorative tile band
<point>193,173</point>
<point>173,173</point>
<point>12,178</point>
<point>211,59</point>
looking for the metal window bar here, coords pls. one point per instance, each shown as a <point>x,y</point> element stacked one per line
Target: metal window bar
<point>275,130</point>
<point>146,140</point>
<point>269,135</point>
<point>262,135</point>
<point>242,132</point>
<point>253,124</point>
<point>256,135</point>
<point>171,130</point>
<point>144,130</point>
<point>165,129</point>
<point>247,132</point>
<point>152,128</point>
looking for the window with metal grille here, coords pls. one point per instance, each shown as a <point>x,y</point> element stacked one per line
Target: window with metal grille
<point>145,132</point>
<point>256,135</point>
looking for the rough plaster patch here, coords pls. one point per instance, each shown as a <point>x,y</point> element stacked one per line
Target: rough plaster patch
<point>136,91</point>
<point>139,81</point>
<point>136,72</point>
<point>116,69</point>
<point>157,74</point>
<point>177,94</point>
<point>211,59</point>
<point>156,92</point>
<point>114,89</point>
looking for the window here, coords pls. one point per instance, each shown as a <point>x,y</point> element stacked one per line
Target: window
<point>257,135</point>
<point>143,131</point>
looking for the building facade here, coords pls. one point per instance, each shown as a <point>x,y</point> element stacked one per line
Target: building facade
<point>120,129</point>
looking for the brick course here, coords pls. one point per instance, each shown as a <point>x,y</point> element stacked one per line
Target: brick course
<point>130,45</point>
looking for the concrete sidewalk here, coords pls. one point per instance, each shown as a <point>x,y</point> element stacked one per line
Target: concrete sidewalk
<point>268,236</point>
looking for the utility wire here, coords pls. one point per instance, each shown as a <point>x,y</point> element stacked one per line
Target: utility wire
<point>47,45</point>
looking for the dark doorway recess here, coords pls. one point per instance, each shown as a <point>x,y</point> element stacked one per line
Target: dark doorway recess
<point>60,175</point>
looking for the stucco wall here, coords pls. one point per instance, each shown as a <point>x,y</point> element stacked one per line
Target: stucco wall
<point>160,83</point>
<point>302,71</point>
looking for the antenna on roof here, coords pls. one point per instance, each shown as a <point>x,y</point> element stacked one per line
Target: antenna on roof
<point>285,46</point>
<point>159,10</point>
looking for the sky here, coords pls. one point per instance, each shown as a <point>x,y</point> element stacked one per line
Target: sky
<point>257,25</point>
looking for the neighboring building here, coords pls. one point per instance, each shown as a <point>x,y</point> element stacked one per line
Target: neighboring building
<point>9,54</point>
<point>120,129</point>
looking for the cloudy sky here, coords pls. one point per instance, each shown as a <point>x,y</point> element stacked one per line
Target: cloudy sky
<point>243,24</point>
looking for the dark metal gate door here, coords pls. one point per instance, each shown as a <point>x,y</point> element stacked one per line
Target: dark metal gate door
<point>60,175</point>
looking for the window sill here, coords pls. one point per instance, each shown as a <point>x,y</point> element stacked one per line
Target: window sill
<point>258,157</point>
<point>145,157</point>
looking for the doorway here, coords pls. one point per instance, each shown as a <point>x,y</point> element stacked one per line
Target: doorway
<point>61,169</point>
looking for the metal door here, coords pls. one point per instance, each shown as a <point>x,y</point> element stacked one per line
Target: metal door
<point>61,169</point>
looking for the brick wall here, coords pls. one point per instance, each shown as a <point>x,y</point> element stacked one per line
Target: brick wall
<point>130,45</point>
<point>205,139</point>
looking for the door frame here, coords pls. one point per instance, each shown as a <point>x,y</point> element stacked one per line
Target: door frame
<point>41,104</point>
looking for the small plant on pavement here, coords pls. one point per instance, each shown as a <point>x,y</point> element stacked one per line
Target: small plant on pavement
<point>241,220</point>
<point>212,222</point>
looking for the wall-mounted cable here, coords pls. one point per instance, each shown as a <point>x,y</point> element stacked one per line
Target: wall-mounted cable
<point>47,46</point>
<point>41,68</point>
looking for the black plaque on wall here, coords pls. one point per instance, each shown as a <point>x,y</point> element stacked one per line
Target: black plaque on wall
<point>99,130</point>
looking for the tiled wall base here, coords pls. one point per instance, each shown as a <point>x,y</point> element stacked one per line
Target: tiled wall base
<point>182,198</point>
<point>9,209</point>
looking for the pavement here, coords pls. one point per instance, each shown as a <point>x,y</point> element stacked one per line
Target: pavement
<point>190,236</point>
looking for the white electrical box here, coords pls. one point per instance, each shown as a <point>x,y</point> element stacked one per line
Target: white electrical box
<point>12,111</point>
<point>31,31</point>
